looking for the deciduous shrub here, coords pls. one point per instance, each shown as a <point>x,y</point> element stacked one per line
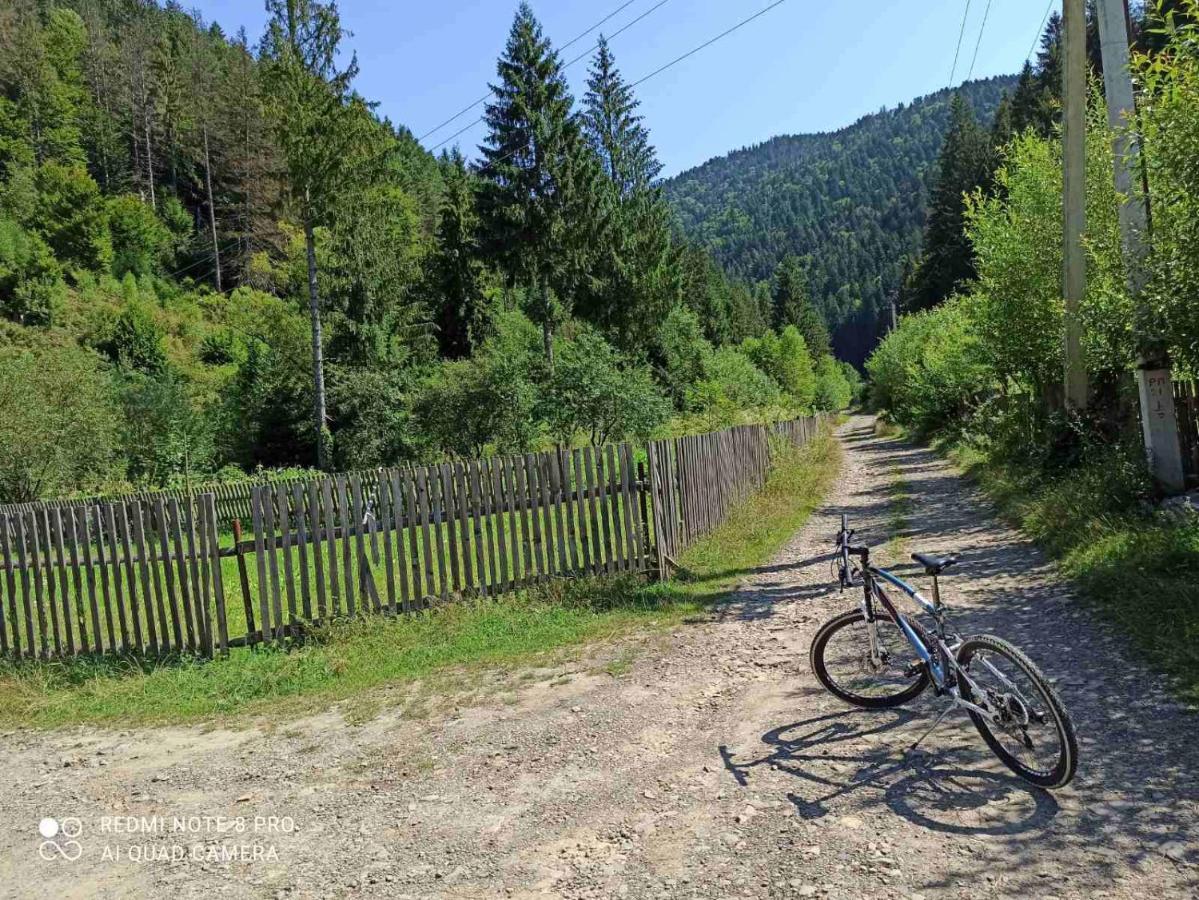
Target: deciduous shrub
<point>731,383</point>
<point>597,391</point>
<point>139,238</point>
<point>929,373</point>
<point>833,390</point>
<point>785,358</point>
<point>30,279</point>
<point>58,422</point>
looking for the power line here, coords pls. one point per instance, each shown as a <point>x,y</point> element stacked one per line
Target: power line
<point>567,65</point>
<point>708,43</point>
<point>615,33</point>
<point>677,59</point>
<point>956,53</point>
<point>1040,31</point>
<point>979,42</point>
<point>573,40</point>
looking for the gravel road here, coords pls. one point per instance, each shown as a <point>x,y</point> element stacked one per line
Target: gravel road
<point>705,763</point>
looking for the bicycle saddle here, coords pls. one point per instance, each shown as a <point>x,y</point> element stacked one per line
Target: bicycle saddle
<point>934,565</point>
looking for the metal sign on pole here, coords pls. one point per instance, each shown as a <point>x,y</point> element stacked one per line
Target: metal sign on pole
<point>1159,426</point>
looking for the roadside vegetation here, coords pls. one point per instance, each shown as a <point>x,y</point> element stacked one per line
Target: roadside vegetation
<point>979,370</point>
<point>158,299</point>
<point>440,646</point>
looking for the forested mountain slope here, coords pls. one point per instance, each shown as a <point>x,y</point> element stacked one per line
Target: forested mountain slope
<point>216,257</point>
<point>852,201</point>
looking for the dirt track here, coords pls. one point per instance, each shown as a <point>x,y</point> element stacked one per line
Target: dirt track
<point>705,764</point>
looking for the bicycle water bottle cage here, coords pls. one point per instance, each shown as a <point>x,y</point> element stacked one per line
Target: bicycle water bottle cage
<point>934,565</point>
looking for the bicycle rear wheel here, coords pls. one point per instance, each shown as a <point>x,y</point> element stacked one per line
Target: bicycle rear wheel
<point>842,661</point>
<point>1030,732</point>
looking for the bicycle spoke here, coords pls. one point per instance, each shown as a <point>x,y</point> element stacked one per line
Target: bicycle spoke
<point>1021,719</point>
<point>851,663</point>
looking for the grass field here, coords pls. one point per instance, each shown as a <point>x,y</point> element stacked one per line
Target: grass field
<point>348,660</point>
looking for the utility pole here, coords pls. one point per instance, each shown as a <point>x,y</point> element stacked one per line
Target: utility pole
<point>1159,427</point>
<point>1074,162</point>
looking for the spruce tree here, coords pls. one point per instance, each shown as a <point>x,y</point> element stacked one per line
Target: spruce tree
<point>454,276</point>
<point>613,128</point>
<point>1002,129</point>
<point>531,168</point>
<point>40,92</point>
<point>947,259</point>
<point>635,281</point>
<point>792,305</point>
<point>1027,102</point>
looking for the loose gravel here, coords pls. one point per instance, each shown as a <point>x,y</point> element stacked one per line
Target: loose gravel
<point>706,763</point>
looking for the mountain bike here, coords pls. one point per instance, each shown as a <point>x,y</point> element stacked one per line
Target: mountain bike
<point>876,657</point>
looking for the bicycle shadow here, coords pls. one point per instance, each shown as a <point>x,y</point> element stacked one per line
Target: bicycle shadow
<point>935,790</point>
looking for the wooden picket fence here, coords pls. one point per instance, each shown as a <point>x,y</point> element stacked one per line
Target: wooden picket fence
<point>699,479</point>
<point>231,499</point>
<point>116,577</point>
<point>411,539</point>
<point>150,576</point>
<point>1186,410</point>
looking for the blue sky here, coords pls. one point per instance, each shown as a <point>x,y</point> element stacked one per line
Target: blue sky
<point>804,66</point>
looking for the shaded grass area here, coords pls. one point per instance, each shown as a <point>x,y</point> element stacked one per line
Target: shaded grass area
<point>348,659</point>
<point>1138,567</point>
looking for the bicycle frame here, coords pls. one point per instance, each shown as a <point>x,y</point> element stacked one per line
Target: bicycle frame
<point>941,659</point>
<point>931,656</point>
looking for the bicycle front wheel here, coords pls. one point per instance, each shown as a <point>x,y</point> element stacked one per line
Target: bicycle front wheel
<point>1029,729</point>
<point>843,662</point>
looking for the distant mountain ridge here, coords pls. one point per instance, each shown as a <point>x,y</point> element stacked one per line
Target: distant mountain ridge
<point>852,201</point>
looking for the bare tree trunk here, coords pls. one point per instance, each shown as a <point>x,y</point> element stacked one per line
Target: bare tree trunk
<point>547,324</point>
<point>149,159</point>
<point>318,360</point>
<point>216,251</point>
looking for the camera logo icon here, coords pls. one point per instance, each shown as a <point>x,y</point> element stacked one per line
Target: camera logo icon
<point>60,839</point>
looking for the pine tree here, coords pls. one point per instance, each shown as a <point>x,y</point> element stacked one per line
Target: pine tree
<point>947,259</point>
<point>532,168</point>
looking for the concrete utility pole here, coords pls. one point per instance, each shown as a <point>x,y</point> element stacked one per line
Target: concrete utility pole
<point>1159,426</point>
<point>1074,162</point>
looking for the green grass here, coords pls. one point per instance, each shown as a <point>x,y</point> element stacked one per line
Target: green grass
<point>528,540</point>
<point>1136,567</point>
<point>349,661</point>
